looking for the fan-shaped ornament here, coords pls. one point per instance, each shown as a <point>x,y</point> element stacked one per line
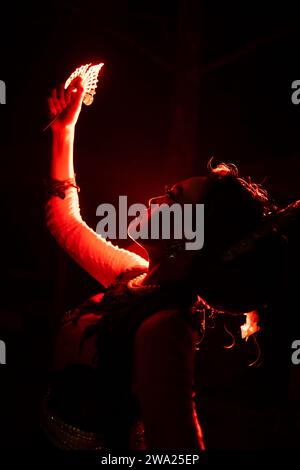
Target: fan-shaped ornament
<point>89,74</point>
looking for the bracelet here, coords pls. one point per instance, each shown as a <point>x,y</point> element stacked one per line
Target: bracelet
<point>59,187</point>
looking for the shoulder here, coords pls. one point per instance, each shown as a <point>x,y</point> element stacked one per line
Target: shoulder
<point>163,355</point>
<point>164,329</point>
<point>164,319</point>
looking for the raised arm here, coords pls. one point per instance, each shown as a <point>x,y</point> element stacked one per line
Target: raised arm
<point>100,258</point>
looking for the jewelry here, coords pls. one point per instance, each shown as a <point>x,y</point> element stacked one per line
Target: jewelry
<point>134,285</point>
<point>59,187</point>
<point>65,436</point>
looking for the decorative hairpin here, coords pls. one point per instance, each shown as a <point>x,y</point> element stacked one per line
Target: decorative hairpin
<point>89,74</point>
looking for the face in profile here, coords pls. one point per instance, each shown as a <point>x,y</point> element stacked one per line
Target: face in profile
<point>233,208</point>
<point>160,236</point>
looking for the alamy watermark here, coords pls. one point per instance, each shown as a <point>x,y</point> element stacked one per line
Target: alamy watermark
<point>296,354</point>
<point>2,92</point>
<point>2,352</point>
<point>159,221</point>
<point>295,96</point>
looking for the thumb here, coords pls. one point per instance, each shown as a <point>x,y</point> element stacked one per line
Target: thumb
<point>78,91</point>
<point>75,91</point>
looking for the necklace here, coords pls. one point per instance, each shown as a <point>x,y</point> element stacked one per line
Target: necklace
<point>135,285</point>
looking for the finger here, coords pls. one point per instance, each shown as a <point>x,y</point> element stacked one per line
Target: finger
<point>61,96</point>
<point>69,91</point>
<point>77,81</point>
<point>68,95</point>
<point>72,88</point>
<point>51,107</point>
<point>74,83</point>
<point>56,102</point>
<point>78,90</point>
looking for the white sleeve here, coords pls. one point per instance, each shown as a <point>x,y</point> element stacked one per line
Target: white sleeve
<point>100,258</point>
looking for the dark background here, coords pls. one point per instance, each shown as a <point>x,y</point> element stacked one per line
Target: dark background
<point>183,81</point>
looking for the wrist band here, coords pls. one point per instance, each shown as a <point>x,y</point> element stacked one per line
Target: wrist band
<point>58,187</point>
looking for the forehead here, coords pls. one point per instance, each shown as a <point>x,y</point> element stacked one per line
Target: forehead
<point>192,188</point>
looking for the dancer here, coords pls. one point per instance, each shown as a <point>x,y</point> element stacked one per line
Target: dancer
<point>124,361</point>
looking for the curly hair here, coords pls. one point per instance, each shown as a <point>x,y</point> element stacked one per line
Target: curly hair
<point>234,208</point>
<point>256,190</point>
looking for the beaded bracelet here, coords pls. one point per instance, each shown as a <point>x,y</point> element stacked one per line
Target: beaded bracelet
<point>59,187</point>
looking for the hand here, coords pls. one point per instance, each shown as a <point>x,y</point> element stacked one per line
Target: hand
<point>65,105</point>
